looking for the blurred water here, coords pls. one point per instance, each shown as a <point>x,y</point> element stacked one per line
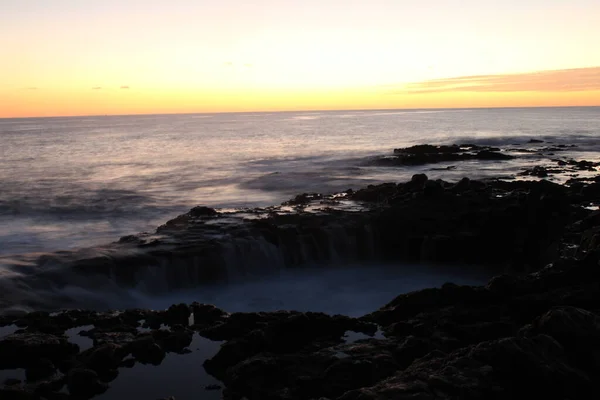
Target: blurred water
<point>73,182</point>
<point>82,181</point>
<point>353,290</point>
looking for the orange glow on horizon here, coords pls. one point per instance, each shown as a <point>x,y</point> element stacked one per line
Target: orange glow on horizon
<point>189,56</point>
<point>116,101</point>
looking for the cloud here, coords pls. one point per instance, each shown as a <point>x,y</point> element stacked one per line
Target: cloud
<point>565,80</point>
<point>124,87</point>
<point>228,64</point>
<point>97,88</point>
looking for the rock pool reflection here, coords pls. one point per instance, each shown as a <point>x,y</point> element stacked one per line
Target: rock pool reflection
<point>180,376</point>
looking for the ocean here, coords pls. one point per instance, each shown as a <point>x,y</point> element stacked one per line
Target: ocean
<point>75,182</point>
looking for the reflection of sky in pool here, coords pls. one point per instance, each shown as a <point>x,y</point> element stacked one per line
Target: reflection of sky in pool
<point>7,330</point>
<point>83,342</point>
<point>179,375</point>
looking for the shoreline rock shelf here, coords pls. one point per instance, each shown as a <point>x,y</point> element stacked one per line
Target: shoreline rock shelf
<point>534,333</point>
<point>429,154</point>
<point>520,223</point>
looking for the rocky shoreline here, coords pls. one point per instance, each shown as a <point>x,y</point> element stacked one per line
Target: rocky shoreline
<point>531,333</point>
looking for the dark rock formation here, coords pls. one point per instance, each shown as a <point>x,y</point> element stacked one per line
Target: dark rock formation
<point>517,338</point>
<point>84,383</point>
<point>532,334</point>
<point>424,220</point>
<point>25,350</point>
<point>429,154</point>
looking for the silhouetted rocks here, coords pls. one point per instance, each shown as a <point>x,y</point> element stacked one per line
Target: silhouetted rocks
<point>517,338</point>
<point>563,167</point>
<point>531,333</point>
<point>201,211</point>
<point>84,383</point>
<point>22,350</point>
<point>16,393</point>
<point>423,220</point>
<point>429,154</point>
<point>40,369</point>
<point>303,199</point>
<point>539,171</point>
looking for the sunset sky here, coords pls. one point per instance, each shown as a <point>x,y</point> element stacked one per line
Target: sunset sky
<point>89,57</point>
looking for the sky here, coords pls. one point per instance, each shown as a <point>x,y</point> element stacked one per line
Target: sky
<point>88,57</point>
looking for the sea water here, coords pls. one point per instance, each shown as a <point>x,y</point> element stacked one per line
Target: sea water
<point>71,183</point>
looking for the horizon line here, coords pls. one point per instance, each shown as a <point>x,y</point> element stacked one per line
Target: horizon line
<point>292,111</point>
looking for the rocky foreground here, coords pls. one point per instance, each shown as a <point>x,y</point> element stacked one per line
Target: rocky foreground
<point>533,333</point>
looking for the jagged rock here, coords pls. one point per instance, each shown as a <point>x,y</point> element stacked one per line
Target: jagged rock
<point>427,154</point>
<point>118,338</point>
<point>447,341</point>
<point>146,351</point>
<point>288,333</point>
<point>577,330</point>
<point>283,377</point>
<point>491,155</point>
<point>127,363</point>
<point>175,340</point>
<point>206,314</point>
<point>202,211</point>
<point>178,314</point>
<point>51,389</point>
<point>16,394</point>
<point>411,304</point>
<point>23,349</point>
<point>104,357</point>
<point>40,369</point>
<point>539,171</point>
<point>235,351</point>
<point>85,383</point>
<point>461,186</point>
<point>512,368</point>
<point>375,193</point>
<point>419,179</point>
<point>348,374</point>
<point>410,349</point>
<point>433,189</point>
<point>303,199</point>
<point>521,336</point>
<point>422,220</point>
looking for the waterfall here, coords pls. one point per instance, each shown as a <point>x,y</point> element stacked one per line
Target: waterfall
<point>196,255</point>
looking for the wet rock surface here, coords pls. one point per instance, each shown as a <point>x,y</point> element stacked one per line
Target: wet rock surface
<point>423,220</point>
<point>430,154</point>
<point>517,337</point>
<point>532,333</point>
<point>553,161</point>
